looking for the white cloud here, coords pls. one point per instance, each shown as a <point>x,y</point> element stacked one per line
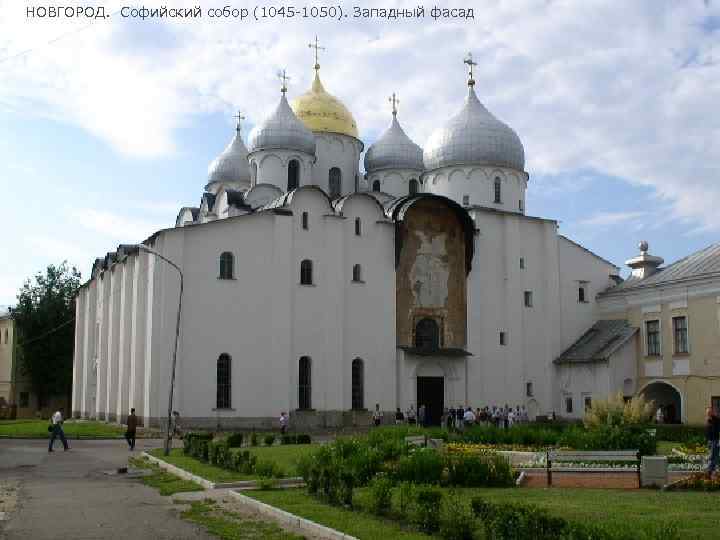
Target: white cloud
<point>628,89</point>
<point>116,227</point>
<point>602,219</point>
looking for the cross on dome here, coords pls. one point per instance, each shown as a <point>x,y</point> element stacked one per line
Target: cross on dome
<point>469,61</point>
<point>394,101</point>
<point>240,118</point>
<point>284,78</point>
<point>317,48</point>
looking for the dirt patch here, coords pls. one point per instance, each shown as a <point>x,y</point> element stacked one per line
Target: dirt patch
<point>8,498</point>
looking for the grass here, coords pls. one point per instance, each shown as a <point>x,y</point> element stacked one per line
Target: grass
<point>166,483</point>
<point>358,524</point>
<point>232,526</point>
<point>694,514</point>
<point>664,448</point>
<point>197,467</point>
<point>37,429</point>
<point>285,455</point>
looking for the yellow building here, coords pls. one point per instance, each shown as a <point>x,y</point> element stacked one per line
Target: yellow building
<point>677,312</point>
<point>7,364</point>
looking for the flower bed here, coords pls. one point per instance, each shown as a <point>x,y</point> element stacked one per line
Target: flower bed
<point>697,482</point>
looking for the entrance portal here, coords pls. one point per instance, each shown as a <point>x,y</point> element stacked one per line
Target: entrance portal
<point>667,398</point>
<point>431,393</point>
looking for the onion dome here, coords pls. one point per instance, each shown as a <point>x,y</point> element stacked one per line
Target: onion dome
<point>474,137</point>
<point>231,166</point>
<point>393,150</point>
<point>282,130</point>
<point>320,111</point>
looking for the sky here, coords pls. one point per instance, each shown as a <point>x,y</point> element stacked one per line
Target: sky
<point>107,127</point>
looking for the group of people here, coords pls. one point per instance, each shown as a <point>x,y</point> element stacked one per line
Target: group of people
<point>55,428</point>
<point>503,417</point>
<point>458,417</point>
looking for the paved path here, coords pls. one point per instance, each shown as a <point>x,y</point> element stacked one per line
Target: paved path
<point>68,495</point>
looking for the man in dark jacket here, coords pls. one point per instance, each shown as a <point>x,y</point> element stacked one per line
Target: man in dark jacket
<point>712,436</point>
<point>131,429</point>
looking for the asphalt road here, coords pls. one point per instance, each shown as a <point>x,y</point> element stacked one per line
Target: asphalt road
<point>69,495</point>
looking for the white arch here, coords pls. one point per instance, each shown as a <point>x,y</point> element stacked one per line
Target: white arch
<point>683,412</point>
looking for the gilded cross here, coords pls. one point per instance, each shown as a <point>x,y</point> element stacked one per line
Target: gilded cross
<point>469,61</point>
<point>394,101</point>
<point>284,78</point>
<point>317,48</point>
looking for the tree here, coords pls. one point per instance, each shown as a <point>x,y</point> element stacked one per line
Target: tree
<point>44,327</point>
<point>615,411</point>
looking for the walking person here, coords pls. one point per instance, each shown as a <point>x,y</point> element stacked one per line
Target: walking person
<point>55,427</point>
<point>411,415</point>
<point>712,436</point>
<point>283,423</point>
<point>176,430</point>
<point>421,416</point>
<point>399,417</point>
<point>131,429</point>
<point>377,415</point>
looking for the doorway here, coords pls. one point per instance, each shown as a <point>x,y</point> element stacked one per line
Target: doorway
<point>431,393</point>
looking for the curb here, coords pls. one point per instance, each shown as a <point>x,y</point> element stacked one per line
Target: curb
<point>286,518</point>
<point>207,484</point>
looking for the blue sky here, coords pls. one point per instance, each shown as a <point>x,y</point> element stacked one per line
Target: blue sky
<point>106,132</point>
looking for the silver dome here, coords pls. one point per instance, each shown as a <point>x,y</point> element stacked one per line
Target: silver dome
<point>282,130</point>
<point>474,136</point>
<point>393,150</point>
<point>231,166</point>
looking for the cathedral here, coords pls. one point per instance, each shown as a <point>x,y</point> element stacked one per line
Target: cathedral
<point>311,287</point>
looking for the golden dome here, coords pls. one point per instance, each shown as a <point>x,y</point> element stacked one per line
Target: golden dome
<point>320,111</point>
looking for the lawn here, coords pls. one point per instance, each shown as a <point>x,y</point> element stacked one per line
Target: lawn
<point>695,514</point>
<point>199,468</point>
<point>231,525</point>
<point>37,429</point>
<point>358,524</point>
<point>285,455</point>
<point>166,483</point>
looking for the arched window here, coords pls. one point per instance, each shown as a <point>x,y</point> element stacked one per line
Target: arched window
<point>306,272</point>
<point>304,383</point>
<point>223,382</point>
<point>334,183</point>
<point>357,273</point>
<point>226,265</point>
<point>427,334</point>
<point>413,186</point>
<point>376,185</point>
<point>498,190</point>
<point>358,385</point>
<point>305,220</point>
<point>6,336</point>
<point>358,226</point>
<point>293,174</point>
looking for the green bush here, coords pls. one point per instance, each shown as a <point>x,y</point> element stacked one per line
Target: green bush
<point>269,439</point>
<point>268,469</point>
<point>422,466</point>
<point>427,503</point>
<point>610,438</point>
<point>406,499</point>
<point>303,438</point>
<point>484,470</point>
<point>253,439</point>
<point>524,434</point>
<point>191,441</point>
<point>457,521</point>
<point>380,495</point>
<point>243,461</point>
<point>235,440</point>
<point>288,439</point>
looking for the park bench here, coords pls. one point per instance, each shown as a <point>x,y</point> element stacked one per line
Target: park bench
<point>575,455</point>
